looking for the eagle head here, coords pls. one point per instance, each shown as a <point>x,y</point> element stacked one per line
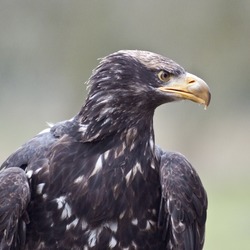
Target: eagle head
<point>128,85</point>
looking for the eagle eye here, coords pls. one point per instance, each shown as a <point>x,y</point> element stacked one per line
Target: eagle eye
<point>164,76</point>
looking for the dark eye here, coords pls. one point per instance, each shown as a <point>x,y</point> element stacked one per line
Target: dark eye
<point>164,76</point>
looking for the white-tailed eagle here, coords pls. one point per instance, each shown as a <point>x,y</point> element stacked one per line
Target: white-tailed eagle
<point>98,181</point>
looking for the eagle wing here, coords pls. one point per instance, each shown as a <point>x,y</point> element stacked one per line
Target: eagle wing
<point>14,198</point>
<point>15,190</point>
<point>183,205</point>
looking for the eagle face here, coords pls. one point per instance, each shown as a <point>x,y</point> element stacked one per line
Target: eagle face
<point>149,78</point>
<point>98,181</point>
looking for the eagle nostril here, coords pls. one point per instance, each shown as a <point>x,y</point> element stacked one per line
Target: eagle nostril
<point>191,80</point>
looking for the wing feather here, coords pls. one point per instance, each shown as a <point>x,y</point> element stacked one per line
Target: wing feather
<point>184,203</point>
<point>14,198</point>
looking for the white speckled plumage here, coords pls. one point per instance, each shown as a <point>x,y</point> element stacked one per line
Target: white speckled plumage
<point>98,181</point>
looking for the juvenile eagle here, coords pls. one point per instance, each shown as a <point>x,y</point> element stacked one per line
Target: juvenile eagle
<point>98,181</point>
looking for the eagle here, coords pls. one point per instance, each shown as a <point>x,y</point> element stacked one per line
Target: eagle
<point>98,180</point>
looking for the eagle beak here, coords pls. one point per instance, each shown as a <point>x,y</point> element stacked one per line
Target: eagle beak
<point>188,87</point>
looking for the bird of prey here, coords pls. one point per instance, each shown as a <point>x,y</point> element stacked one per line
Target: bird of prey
<point>98,180</point>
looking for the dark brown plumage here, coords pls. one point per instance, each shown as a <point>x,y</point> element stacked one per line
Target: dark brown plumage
<point>98,181</point>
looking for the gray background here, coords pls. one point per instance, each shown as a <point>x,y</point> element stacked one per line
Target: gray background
<point>47,52</point>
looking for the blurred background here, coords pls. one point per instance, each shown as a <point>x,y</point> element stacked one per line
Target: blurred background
<point>49,48</point>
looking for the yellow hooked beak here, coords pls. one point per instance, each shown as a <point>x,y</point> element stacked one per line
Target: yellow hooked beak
<point>189,87</point>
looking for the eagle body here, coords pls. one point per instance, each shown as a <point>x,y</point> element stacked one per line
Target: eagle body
<point>98,181</point>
